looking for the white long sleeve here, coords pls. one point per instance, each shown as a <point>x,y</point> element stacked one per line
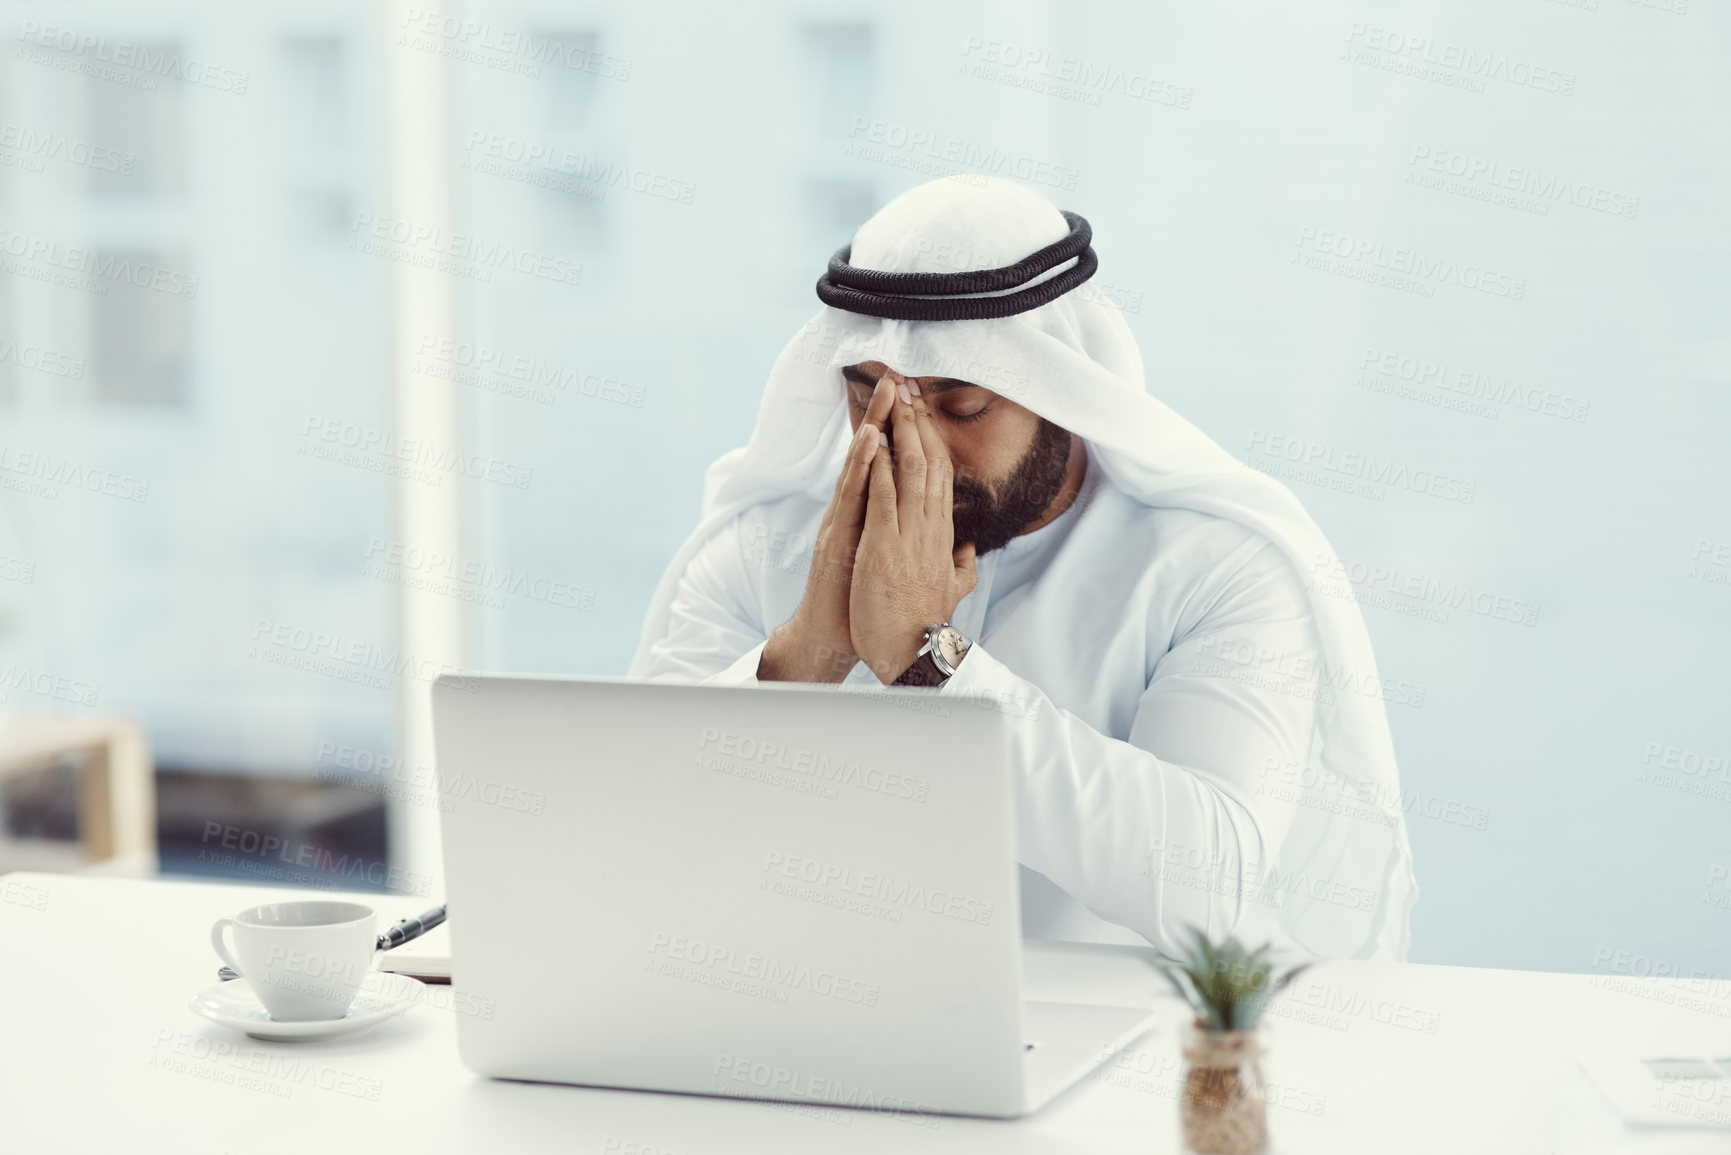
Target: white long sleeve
<point>1164,829</point>
<point>711,623</point>
<point>1140,732</point>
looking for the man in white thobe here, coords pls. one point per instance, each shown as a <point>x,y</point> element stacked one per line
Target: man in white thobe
<point>1130,596</point>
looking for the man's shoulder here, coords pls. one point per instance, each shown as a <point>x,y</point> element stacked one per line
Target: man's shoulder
<point>1193,572</point>
<point>1195,564</point>
<point>793,515</point>
<point>1166,533</point>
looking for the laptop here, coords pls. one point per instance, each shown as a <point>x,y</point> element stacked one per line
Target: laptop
<point>785,891</point>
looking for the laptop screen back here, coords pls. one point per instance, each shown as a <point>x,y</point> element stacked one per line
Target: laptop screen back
<point>789,892</point>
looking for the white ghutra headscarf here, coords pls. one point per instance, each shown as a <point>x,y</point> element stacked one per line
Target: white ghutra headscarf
<point>1075,362</point>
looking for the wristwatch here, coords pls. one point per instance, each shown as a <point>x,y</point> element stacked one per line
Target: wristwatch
<point>944,648</point>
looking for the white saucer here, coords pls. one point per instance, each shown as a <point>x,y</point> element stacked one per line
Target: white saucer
<point>233,1004</point>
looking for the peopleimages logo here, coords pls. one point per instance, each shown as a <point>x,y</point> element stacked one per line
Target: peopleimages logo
<point>1322,788</point>
<point>313,857</point>
<point>49,361</point>
<point>386,774</point>
<point>472,363</point>
<point>1066,77</point>
<point>1710,562</point>
<point>1518,186</point>
<point>1332,1000</point>
<point>896,892</point>
<point>43,467</point>
<point>469,255</point>
<point>58,687</point>
<point>1688,761</point>
<point>35,147</point>
<point>1372,584</point>
<point>23,894</point>
<point>1448,62</point>
<point>1703,773</point>
<point>87,270</point>
<point>1401,266</point>
<point>740,751</point>
<point>480,42</point>
<point>762,975</point>
<point>332,654</point>
<point>1361,467</point>
<point>938,154</point>
<point>1204,868</point>
<point>567,171</point>
<point>1459,387</point>
<point>964,259</point>
<point>467,579</point>
<point>348,443</point>
<point>732,1072</point>
<point>821,342</point>
<point>1718,887</point>
<point>1302,674</point>
<point>273,1072</point>
<point>154,61</point>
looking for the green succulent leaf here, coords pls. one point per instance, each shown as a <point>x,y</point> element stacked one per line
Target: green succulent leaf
<point>1181,974</point>
<point>1187,991</point>
<point>1228,985</point>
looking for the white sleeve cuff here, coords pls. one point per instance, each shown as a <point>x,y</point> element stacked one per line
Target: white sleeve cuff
<point>982,675</point>
<point>743,672</point>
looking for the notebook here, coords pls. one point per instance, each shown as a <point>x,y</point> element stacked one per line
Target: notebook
<point>1691,1092</point>
<point>427,958</point>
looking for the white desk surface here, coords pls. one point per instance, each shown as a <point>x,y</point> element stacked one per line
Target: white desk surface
<point>98,1052</point>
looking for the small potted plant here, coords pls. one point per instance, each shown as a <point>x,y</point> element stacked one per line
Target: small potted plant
<point>1228,986</point>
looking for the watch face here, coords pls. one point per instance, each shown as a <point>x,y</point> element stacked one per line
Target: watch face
<point>952,644</point>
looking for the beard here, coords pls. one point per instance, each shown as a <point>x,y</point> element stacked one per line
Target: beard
<point>996,513</point>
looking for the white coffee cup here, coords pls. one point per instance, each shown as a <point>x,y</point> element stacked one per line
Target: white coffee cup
<point>304,960</point>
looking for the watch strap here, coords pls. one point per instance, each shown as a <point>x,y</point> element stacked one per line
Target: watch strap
<point>924,672</point>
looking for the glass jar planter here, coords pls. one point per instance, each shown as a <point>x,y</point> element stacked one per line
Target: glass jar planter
<point>1223,1106</point>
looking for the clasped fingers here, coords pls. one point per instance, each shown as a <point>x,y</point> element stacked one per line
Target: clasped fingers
<point>910,456</point>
